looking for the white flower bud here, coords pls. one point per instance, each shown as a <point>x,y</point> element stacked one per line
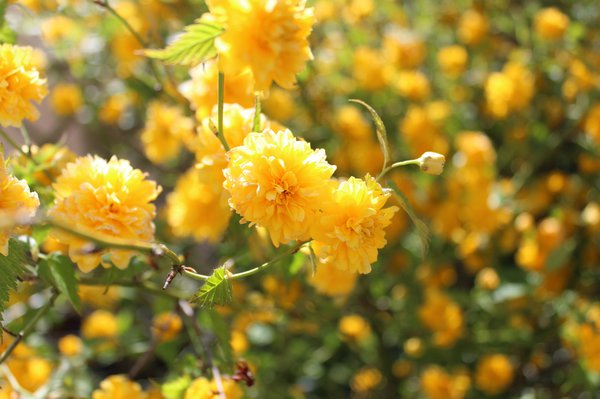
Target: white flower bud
<point>432,163</point>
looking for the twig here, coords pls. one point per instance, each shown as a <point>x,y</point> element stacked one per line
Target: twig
<point>151,289</point>
<point>143,361</point>
<point>28,327</point>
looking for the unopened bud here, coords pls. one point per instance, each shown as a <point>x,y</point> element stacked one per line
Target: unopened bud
<point>432,163</point>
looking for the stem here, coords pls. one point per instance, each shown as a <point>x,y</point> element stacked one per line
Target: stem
<point>256,122</point>
<point>250,272</point>
<point>395,165</point>
<point>220,100</point>
<point>149,288</point>
<point>28,327</point>
<point>14,144</point>
<point>27,153</point>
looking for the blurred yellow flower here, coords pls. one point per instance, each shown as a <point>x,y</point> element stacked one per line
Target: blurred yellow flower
<point>166,326</point>
<point>550,23</point>
<point>275,181</point>
<point>366,379</point>
<point>494,374</point>
<point>118,387</point>
<point>198,206</point>
<point>452,60</point>
<point>473,27</point>
<point>20,85</point>
<point>509,90</point>
<point>331,281</point>
<point>351,227</point>
<point>412,84</point>
<point>201,90</point>
<point>113,108</point>
<point>438,384</point>
<point>30,370</point>
<point>66,99</point>
<point>18,204</point>
<point>202,388</point>
<point>100,324</point>
<point>280,104</point>
<point>442,316</point>
<point>57,28</point>
<point>368,68</point>
<point>107,199</point>
<point>354,327</point>
<point>165,130</point>
<point>70,345</point>
<point>269,38</point>
<point>402,48</point>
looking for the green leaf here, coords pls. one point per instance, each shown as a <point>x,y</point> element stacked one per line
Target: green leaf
<point>215,291</point>
<point>256,122</point>
<point>11,268</point>
<point>380,128</point>
<point>176,388</point>
<point>195,45</point>
<point>558,257</point>
<point>217,324</point>
<point>61,272</point>
<point>7,35</point>
<point>422,228</point>
<point>298,262</point>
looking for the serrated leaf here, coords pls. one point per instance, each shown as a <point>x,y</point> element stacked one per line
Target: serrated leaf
<point>380,128</point>
<point>215,291</point>
<point>561,255</point>
<point>176,388</point>
<point>11,267</point>
<point>422,228</point>
<point>195,45</point>
<point>62,273</point>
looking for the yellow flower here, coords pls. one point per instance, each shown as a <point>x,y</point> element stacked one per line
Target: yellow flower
<point>110,200</point>
<point>118,387</point>
<point>201,90</point>
<point>403,48</point>
<point>413,85</point>
<point>354,327</point>
<point>279,105</point>
<point>329,280</point>
<point>509,90</point>
<point>366,379</point>
<point>269,38</point>
<point>202,388</point>
<point>494,374</point>
<point>352,225</point>
<point>473,27</point>
<point>70,345</point>
<point>165,130</point>
<point>198,205</point>
<point>66,99</point>
<point>422,131</point>
<point>438,384</point>
<point>442,316</point>
<point>113,108</point>
<point>100,324</point>
<point>166,326</point>
<point>452,60</point>
<point>17,204</point>
<point>275,181</point>
<point>20,85</point>
<point>57,28</point>
<point>550,23</point>
<point>368,65</point>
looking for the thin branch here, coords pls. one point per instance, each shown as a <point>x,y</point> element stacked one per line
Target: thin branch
<point>149,288</point>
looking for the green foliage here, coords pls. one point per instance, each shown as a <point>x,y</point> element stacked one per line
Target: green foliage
<point>219,326</point>
<point>195,45</point>
<point>422,229</point>
<point>175,389</point>
<point>215,291</point>
<point>12,267</point>
<point>381,131</point>
<point>58,271</point>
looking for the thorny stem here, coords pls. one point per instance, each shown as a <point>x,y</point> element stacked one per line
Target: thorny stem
<point>395,165</point>
<point>253,271</point>
<point>220,101</point>
<point>28,327</point>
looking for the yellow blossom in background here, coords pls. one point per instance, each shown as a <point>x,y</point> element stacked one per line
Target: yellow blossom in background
<point>108,199</point>
<point>118,387</point>
<point>438,384</point>
<point>366,379</point>
<point>165,130</point>
<point>494,374</point>
<point>354,327</point>
<point>100,297</point>
<point>452,60</point>
<point>413,85</point>
<point>201,89</point>
<point>66,99</point>
<point>368,66</point>
<point>280,105</point>
<point>166,326</point>
<point>20,85</point>
<point>331,281</point>
<point>473,27</point>
<point>351,124</point>
<point>125,48</point>
<point>30,370</point>
<point>100,324</point>
<point>443,317</point>
<point>113,108</point>
<point>275,181</point>
<point>58,28</point>
<point>351,228</point>
<point>422,131</point>
<point>402,48</point>
<point>197,207</point>
<point>509,90</point>
<point>591,124</point>
<point>18,204</point>
<point>202,388</point>
<point>550,23</point>
<point>70,345</point>
<point>269,38</point>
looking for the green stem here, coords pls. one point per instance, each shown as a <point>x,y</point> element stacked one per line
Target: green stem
<point>27,153</point>
<point>253,271</point>
<point>28,327</point>
<point>13,143</point>
<point>257,110</point>
<point>395,165</point>
<point>220,101</point>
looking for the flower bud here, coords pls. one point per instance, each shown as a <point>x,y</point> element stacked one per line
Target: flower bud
<point>432,163</point>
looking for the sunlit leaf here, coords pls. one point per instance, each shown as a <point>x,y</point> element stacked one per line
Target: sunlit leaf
<point>215,291</point>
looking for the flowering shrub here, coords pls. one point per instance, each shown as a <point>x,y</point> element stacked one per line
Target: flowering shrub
<point>291,199</point>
